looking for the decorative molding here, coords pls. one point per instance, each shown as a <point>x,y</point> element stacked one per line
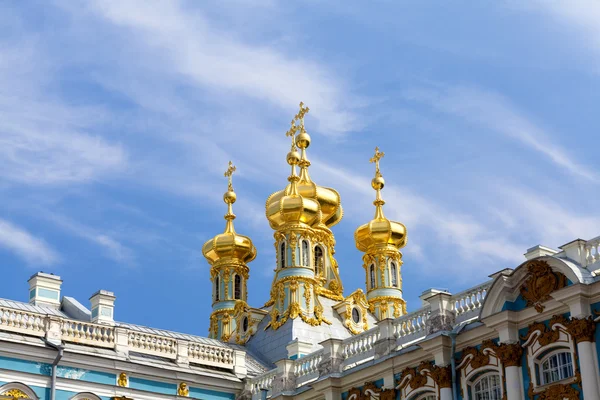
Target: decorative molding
<point>582,330</point>
<point>122,380</point>
<point>558,392</point>
<point>510,354</point>
<point>541,281</point>
<point>442,376</point>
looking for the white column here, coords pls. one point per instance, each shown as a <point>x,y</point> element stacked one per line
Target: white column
<point>446,394</point>
<point>587,364</point>
<point>514,389</point>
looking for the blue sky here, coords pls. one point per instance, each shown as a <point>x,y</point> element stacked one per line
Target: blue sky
<point>117,120</point>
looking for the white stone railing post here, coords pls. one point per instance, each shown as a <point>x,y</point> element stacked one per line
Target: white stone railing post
<point>285,380</point>
<point>239,364</point>
<point>121,341</point>
<point>442,316</point>
<point>183,352</point>
<point>386,343</point>
<point>53,329</point>
<point>333,357</point>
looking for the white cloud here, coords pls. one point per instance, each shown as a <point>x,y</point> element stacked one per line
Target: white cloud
<point>43,139</point>
<point>495,113</point>
<point>188,43</point>
<point>113,248</point>
<point>33,250</point>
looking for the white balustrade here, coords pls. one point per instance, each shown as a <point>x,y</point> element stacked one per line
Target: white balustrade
<point>22,321</point>
<point>263,382</point>
<point>87,333</point>
<point>468,302</point>
<point>205,354</point>
<point>360,348</point>
<point>591,251</point>
<point>307,368</point>
<point>412,325</point>
<point>153,344</point>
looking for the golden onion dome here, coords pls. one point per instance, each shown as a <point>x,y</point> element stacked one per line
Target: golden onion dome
<point>229,244</point>
<point>329,199</point>
<point>288,205</point>
<point>380,231</point>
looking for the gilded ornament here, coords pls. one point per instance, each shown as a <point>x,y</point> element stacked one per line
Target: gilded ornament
<point>582,330</point>
<point>15,394</point>
<point>416,380</point>
<point>122,381</point>
<point>442,376</point>
<point>183,390</point>
<point>540,283</point>
<point>510,354</point>
<point>559,392</point>
<point>388,394</point>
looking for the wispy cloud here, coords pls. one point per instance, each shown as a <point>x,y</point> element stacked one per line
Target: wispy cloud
<point>192,46</point>
<point>114,249</point>
<point>495,113</point>
<point>33,250</point>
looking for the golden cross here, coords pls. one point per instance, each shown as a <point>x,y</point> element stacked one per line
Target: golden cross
<point>292,133</point>
<point>375,159</point>
<point>229,173</point>
<point>300,116</point>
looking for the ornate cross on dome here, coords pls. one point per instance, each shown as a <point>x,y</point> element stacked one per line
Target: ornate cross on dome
<point>230,170</point>
<point>300,116</point>
<point>292,133</point>
<point>375,159</point>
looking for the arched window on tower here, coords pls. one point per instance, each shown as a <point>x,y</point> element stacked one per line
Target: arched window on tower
<point>394,273</point>
<point>282,255</point>
<point>318,257</point>
<point>237,287</point>
<point>305,254</point>
<point>372,276</point>
<point>217,282</point>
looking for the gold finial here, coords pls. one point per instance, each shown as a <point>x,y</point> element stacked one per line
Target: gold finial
<point>375,159</point>
<point>300,116</point>
<point>378,183</point>
<point>230,170</point>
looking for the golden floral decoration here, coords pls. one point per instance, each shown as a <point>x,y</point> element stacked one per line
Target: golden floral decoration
<point>540,283</point>
<point>183,390</point>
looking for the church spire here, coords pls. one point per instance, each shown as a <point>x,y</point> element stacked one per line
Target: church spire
<point>381,241</point>
<point>228,254</point>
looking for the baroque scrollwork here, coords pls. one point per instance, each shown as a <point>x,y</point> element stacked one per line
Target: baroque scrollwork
<point>541,282</point>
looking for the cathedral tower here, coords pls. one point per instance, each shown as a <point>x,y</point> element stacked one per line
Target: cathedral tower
<point>228,255</point>
<point>301,215</point>
<point>381,241</point>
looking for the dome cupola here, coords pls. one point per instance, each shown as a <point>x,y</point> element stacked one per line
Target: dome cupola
<point>380,231</point>
<point>229,244</point>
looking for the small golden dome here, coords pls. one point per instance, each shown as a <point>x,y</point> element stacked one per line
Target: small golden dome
<point>380,231</point>
<point>289,206</point>
<point>229,244</point>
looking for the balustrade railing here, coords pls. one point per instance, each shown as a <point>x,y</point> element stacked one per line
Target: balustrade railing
<point>87,333</point>
<point>412,325</point>
<point>591,251</point>
<point>307,367</point>
<point>210,355</point>
<point>468,302</point>
<point>359,348</point>
<point>153,344</point>
<point>118,338</point>
<point>22,321</point>
<point>262,382</point>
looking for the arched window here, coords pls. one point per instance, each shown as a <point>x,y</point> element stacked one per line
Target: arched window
<point>428,397</point>
<point>282,255</point>
<point>85,396</point>
<point>394,273</point>
<point>487,388</point>
<point>556,367</point>
<point>17,391</point>
<point>372,276</point>
<point>237,287</point>
<point>305,254</point>
<point>217,296</point>
<point>318,257</point>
